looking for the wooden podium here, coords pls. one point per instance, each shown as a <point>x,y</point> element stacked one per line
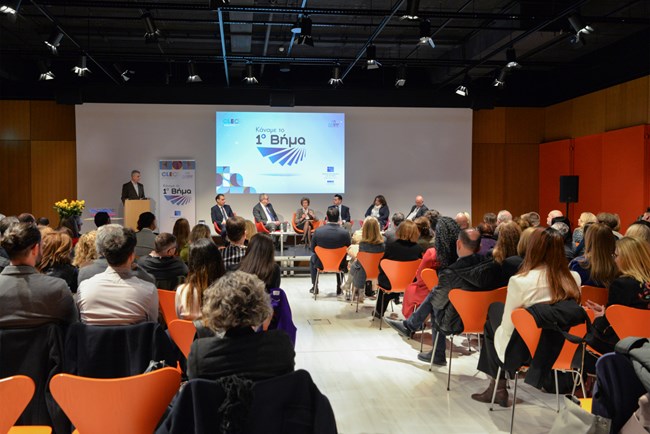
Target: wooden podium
<point>132,211</point>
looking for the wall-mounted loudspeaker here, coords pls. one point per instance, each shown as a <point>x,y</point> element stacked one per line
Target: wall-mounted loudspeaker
<point>568,189</point>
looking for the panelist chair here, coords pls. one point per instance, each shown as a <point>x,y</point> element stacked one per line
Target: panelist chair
<point>127,405</point>
<point>370,264</point>
<point>400,275</point>
<point>331,260</point>
<point>217,228</point>
<point>15,393</point>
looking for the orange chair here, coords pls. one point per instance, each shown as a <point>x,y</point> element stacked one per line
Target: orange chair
<point>15,394</point>
<point>628,321</point>
<point>331,260</point>
<point>300,231</point>
<point>593,293</point>
<point>167,304</point>
<point>217,228</point>
<point>261,228</point>
<point>129,405</point>
<point>400,275</point>
<point>182,333</point>
<point>430,277</point>
<point>472,308</point>
<point>370,264</point>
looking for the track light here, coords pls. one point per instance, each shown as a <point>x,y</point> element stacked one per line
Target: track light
<point>580,28</point>
<point>296,28</point>
<point>152,33</point>
<point>400,80</point>
<point>425,34</point>
<point>192,76</point>
<point>216,4</point>
<point>250,76</point>
<point>45,71</point>
<point>463,89</point>
<point>81,69</point>
<point>371,57</point>
<point>411,12</point>
<point>54,40</point>
<point>9,7</point>
<point>305,32</point>
<point>336,79</point>
<point>500,81</point>
<point>125,74</point>
<point>511,58</point>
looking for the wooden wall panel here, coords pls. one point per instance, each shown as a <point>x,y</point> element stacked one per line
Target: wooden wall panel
<point>554,161</point>
<point>588,114</point>
<point>628,104</point>
<point>489,126</point>
<point>15,177</point>
<point>54,175</point>
<point>524,125</point>
<point>14,120</point>
<point>558,119</point>
<point>52,121</point>
<point>587,164</point>
<point>521,189</point>
<point>488,171</point>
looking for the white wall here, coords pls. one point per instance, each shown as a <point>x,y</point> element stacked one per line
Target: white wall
<point>397,152</point>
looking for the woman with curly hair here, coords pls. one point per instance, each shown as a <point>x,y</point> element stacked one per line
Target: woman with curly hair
<point>235,306</point>
<point>85,252</point>
<point>55,258</point>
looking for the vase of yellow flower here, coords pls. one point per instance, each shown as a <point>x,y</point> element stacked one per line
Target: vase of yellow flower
<point>65,208</point>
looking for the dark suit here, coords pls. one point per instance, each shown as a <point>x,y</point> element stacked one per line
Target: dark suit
<point>260,216</point>
<point>329,236</point>
<point>345,212</point>
<point>218,217</point>
<point>128,191</point>
<point>420,212</point>
<point>383,215</point>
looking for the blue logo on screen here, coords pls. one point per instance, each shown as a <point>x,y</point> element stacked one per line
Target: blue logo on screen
<point>330,181</point>
<point>178,199</point>
<point>231,121</point>
<point>330,169</point>
<point>177,213</point>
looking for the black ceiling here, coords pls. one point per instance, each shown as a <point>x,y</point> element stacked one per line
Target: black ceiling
<point>471,39</point>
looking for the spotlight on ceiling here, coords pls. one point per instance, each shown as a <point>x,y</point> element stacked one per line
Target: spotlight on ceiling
<point>54,40</point>
<point>580,28</point>
<point>296,28</point>
<point>425,34</point>
<point>9,7</point>
<point>463,89</point>
<point>125,73</point>
<point>336,79</point>
<point>511,58</point>
<point>411,12</point>
<point>152,33</point>
<point>81,69</point>
<point>371,57</point>
<point>250,75</point>
<point>305,32</point>
<point>45,71</point>
<point>500,81</point>
<point>216,4</point>
<point>400,79</point>
<point>192,75</point>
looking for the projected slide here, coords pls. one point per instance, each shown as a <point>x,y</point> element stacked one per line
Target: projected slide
<point>280,152</point>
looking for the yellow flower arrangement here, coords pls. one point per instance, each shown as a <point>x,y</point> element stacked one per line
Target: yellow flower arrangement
<point>67,209</point>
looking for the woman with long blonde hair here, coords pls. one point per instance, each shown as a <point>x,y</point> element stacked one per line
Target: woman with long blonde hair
<point>371,242</point>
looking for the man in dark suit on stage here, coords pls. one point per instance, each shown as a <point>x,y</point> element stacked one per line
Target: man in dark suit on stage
<point>221,212</point>
<point>344,212</point>
<point>133,189</point>
<point>263,212</point>
<point>418,209</point>
<point>329,236</point>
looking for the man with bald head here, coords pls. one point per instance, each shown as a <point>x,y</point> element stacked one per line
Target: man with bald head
<point>418,209</point>
<point>552,215</point>
<point>471,272</point>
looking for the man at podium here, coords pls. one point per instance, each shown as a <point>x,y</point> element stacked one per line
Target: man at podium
<point>133,189</point>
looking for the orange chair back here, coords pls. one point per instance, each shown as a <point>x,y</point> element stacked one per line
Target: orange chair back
<point>370,263</point>
<point>129,405</point>
<point>472,306</point>
<point>167,303</point>
<point>593,293</point>
<point>429,277</point>
<point>331,258</point>
<point>261,228</point>
<point>216,228</point>
<point>15,394</point>
<point>182,333</point>
<point>563,361</point>
<point>628,321</point>
<point>400,273</point>
<point>296,229</point>
<point>527,328</point>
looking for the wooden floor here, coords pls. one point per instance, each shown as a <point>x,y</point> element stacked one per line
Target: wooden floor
<point>376,384</point>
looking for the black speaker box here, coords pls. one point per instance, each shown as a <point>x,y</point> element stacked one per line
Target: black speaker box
<point>568,189</point>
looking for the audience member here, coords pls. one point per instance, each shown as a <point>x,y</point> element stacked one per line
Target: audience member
<point>205,268</point>
<point>504,216</point>
<point>379,210</point>
<point>506,247</point>
<point>611,220</point>
<point>198,232</point>
<point>417,210</point>
<point>251,230</point>
<point>102,218</point>
<point>426,237</point>
<point>488,239</point>
<point>145,235</point>
<point>163,264</point>
<point>27,218</point>
<point>235,306</point>
<point>491,219</point>
<point>639,229</point>
<point>578,233</point>
<point>85,251</point>
<point>544,278</point>
<point>305,220</point>
<point>329,236</point>
<point>264,213</point>
<point>464,220</point>
<point>56,248</point>
<point>404,249</point>
<point>260,261</point>
<point>597,267</point>
<point>43,221</point>
<point>565,231</point>
<point>433,215</point>
<point>389,234</point>
<point>116,296</point>
<point>371,242</point>
<point>531,219</point>
<point>511,265</point>
<point>235,251</point>
<point>72,225</point>
<point>553,215</point>
<point>181,231</point>
<point>4,225</point>
<point>28,298</point>
<point>646,215</point>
